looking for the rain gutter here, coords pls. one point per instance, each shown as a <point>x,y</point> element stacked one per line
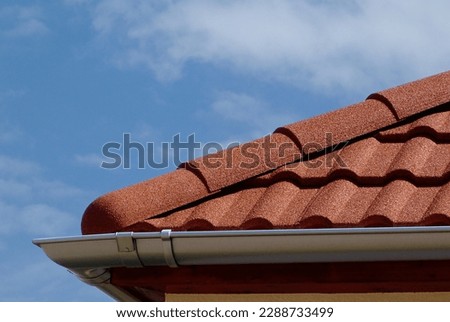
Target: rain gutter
<point>91,256</point>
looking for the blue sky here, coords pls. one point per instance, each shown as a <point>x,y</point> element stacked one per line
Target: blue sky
<point>77,74</point>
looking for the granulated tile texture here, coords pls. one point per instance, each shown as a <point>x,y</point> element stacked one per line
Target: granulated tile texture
<point>381,162</point>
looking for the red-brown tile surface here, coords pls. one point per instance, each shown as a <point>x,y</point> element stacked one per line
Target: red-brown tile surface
<point>386,162</point>
<point>340,125</point>
<point>127,206</point>
<point>435,125</point>
<point>417,96</point>
<point>236,164</point>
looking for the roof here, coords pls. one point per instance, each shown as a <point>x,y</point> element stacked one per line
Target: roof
<point>381,162</point>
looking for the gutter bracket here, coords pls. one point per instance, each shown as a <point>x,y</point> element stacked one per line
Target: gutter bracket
<point>127,249</point>
<point>125,242</point>
<point>167,246</point>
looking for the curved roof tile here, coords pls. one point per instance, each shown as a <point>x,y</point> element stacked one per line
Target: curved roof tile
<point>247,160</point>
<point>418,96</point>
<point>127,206</point>
<point>436,126</point>
<point>340,125</point>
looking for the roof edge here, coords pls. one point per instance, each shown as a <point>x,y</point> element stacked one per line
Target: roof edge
<point>175,248</point>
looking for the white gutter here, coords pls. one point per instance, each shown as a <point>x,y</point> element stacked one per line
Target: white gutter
<point>90,256</point>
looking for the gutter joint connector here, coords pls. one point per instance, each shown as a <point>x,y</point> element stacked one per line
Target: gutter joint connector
<point>168,253</point>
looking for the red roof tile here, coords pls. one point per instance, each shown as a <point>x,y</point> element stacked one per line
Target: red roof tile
<point>236,164</point>
<point>122,208</point>
<point>385,162</point>
<point>437,126</point>
<point>418,96</point>
<point>341,125</point>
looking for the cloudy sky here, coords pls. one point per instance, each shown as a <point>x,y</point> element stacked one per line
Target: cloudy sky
<point>78,74</point>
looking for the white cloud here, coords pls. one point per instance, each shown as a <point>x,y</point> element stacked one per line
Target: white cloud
<point>254,114</point>
<point>10,166</point>
<point>142,133</point>
<point>42,219</point>
<point>89,159</point>
<point>145,132</point>
<point>36,219</point>
<point>77,2</point>
<point>9,212</point>
<point>23,21</point>
<point>14,188</point>
<point>54,189</point>
<point>238,117</point>
<point>348,45</point>
<point>9,133</point>
<point>23,179</point>
<point>28,201</point>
